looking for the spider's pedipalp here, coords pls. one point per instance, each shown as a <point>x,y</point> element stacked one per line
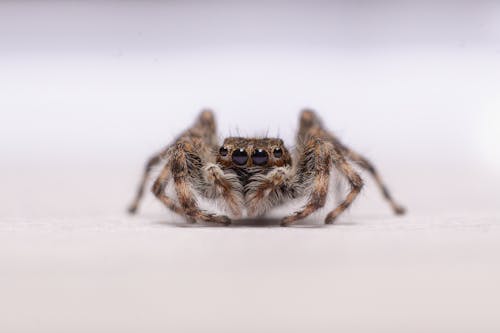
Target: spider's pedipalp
<point>224,185</point>
<point>265,191</point>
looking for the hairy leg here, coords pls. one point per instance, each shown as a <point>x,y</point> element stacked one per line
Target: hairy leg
<point>310,125</point>
<point>314,168</point>
<point>204,129</point>
<point>223,185</point>
<point>355,182</point>
<point>181,157</point>
<point>319,156</point>
<point>151,163</point>
<point>159,190</point>
<point>368,166</point>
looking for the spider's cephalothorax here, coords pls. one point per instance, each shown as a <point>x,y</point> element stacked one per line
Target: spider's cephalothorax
<point>248,157</point>
<point>256,174</point>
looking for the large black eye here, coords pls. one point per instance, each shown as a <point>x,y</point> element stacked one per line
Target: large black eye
<point>240,157</point>
<point>223,151</point>
<point>278,152</point>
<point>259,157</point>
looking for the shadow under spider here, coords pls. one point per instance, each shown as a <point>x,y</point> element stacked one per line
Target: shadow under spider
<point>262,222</point>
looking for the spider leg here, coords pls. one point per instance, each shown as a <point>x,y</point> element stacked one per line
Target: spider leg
<point>355,181</point>
<point>151,163</point>
<point>183,156</point>
<point>204,128</point>
<point>159,190</point>
<point>318,158</point>
<point>369,167</point>
<point>314,168</point>
<point>310,125</point>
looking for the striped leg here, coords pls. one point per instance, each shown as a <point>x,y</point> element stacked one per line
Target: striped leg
<point>369,167</point>
<point>311,125</point>
<point>159,190</point>
<point>355,182</point>
<point>152,162</point>
<point>321,156</point>
<point>204,128</point>
<point>187,200</point>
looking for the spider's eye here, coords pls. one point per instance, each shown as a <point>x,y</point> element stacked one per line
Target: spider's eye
<point>278,152</point>
<point>240,157</point>
<point>223,151</point>
<point>259,157</point>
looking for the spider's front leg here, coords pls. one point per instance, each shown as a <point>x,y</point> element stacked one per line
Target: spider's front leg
<point>184,166</point>
<point>317,159</point>
<point>266,191</point>
<point>204,129</point>
<point>151,163</point>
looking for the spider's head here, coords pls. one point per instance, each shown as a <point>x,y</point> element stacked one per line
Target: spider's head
<point>250,152</point>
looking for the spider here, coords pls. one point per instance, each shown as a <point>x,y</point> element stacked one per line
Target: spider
<point>256,174</point>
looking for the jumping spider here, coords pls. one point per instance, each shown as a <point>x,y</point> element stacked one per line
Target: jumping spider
<point>256,174</point>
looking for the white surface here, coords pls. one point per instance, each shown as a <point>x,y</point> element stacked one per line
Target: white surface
<point>113,274</point>
<point>89,89</point>
<point>78,263</point>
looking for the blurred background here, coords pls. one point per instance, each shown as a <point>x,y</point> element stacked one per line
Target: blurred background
<point>89,89</point>
<point>92,87</point>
